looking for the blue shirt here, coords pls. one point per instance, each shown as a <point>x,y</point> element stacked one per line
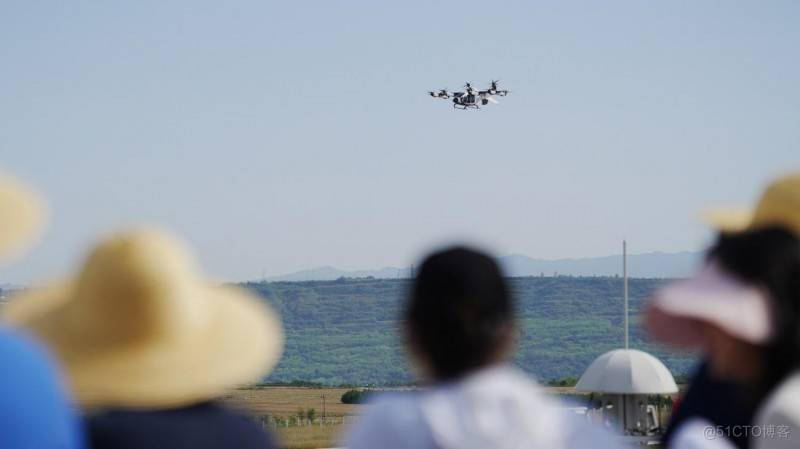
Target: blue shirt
<point>34,410</point>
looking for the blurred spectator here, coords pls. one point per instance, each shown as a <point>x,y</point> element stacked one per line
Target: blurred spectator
<point>34,411</point>
<point>21,217</point>
<point>742,310</point>
<point>712,402</point>
<point>149,346</point>
<point>459,323</point>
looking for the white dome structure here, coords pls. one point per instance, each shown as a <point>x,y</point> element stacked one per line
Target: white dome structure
<point>627,371</point>
<point>624,379</point>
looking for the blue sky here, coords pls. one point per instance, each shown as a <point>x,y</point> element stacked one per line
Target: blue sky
<point>281,136</point>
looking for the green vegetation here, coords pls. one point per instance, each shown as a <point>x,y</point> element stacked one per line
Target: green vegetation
<point>346,332</point>
<point>359,396</point>
<point>565,382</point>
<point>354,396</point>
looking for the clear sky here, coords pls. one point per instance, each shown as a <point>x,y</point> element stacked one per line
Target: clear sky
<point>278,136</point>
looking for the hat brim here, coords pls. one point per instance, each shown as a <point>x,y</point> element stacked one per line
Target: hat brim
<point>677,313</point>
<point>241,344</point>
<point>22,215</point>
<point>729,220</point>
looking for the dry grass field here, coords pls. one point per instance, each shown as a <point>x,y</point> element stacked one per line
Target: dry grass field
<point>285,402</point>
<point>310,437</point>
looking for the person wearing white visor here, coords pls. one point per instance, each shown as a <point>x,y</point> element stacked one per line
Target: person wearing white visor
<point>742,312</point>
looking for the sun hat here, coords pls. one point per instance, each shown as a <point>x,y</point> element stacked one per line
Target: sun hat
<point>21,216</point>
<point>676,313</point>
<point>778,206</point>
<point>140,328</point>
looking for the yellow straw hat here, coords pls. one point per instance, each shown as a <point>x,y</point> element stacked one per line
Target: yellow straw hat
<point>139,327</point>
<point>677,313</point>
<point>21,216</point>
<point>779,206</point>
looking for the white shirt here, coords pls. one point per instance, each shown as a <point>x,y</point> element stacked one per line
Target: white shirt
<point>778,420</point>
<point>496,408</point>
<point>700,434</point>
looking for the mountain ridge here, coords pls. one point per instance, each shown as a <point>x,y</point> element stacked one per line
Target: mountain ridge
<point>656,264</point>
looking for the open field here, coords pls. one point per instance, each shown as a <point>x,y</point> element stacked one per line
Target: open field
<point>285,402</point>
<point>310,437</point>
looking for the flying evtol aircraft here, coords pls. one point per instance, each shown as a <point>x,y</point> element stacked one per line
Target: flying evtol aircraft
<point>472,98</point>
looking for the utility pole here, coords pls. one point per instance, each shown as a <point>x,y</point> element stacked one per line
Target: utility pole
<point>625,286</point>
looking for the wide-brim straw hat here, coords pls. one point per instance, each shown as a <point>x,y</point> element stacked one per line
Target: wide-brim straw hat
<point>779,206</point>
<point>22,214</point>
<point>140,328</point>
<point>677,313</point>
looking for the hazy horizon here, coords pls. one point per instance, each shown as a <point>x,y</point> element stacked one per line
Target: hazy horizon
<point>281,137</point>
<point>663,270</point>
<point>646,265</point>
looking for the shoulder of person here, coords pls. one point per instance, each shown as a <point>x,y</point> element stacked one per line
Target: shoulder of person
<point>397,406</point>
<point>212,424</point>
<point>33,397</point>
<point>390,420</point>
<point>784,401</point>
<point>698,433</point>
<point>778,420</point>
<point>501,406</point>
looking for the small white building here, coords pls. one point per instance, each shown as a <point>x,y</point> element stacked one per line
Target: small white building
<point>625,378</point>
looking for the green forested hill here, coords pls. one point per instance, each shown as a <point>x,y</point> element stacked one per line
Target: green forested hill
<point>346,331</point>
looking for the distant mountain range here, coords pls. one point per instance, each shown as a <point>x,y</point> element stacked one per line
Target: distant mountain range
<point>646,265</point>
<point>330,273</point>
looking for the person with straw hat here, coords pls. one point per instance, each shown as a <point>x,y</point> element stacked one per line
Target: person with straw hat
<point>35,412</point>
<point>22,215</point>
<point>149,345</point>
<point>742,311</point>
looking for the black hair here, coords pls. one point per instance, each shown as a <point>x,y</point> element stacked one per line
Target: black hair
<point>460,314</point>
<point>770,259</point>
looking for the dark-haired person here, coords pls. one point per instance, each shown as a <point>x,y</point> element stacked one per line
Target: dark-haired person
<point>742,310</point>
<point>459,324</point>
